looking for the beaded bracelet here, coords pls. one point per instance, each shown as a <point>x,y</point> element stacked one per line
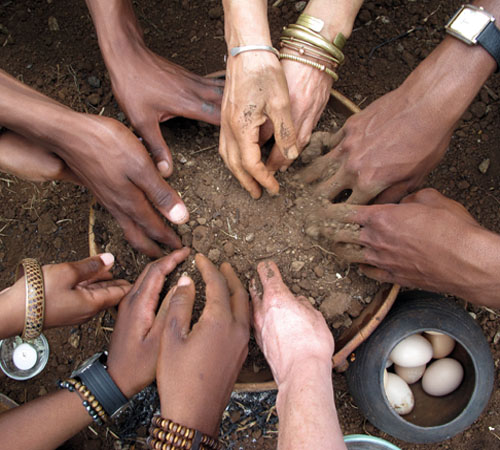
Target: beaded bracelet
<point>168,435</point>
<point>91,404</point>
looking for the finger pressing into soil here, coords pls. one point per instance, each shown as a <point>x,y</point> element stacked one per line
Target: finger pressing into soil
<point>155,143</point>
<point>256,168</point>
<point>277,161</point>
<point>178,312</point>
<point>350,253</point>
<point>271,280</point>
<point>377,274</point>
<point>238,295</point>
<point>320,143</point>
<point>345,234</point>
<point>217,292</point>
<point>321,168</point>
<point>340,212</point>
<point>359,197</point>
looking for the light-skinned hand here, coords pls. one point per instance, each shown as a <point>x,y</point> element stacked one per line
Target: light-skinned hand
<point>287,328</point>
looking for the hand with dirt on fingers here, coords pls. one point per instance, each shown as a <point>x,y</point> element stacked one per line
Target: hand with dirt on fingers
<point>197,367</point>
<point>387,150</point>
<point>74,293</point>
<point>135,342</point>
<point>427,241</point>
<point>255,91</point>
<point>149,88</point>
<point>298,346</point>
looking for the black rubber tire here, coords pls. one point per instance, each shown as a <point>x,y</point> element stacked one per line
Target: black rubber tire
<point>414,312</point>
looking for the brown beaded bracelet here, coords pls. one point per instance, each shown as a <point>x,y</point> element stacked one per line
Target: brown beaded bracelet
<point>91,404</point>
<point>166,435</point>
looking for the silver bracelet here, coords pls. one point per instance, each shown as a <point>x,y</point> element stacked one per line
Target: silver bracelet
<point>235,51</point>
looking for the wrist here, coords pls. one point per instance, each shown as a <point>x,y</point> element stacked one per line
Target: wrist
<point>244,25</point>
<point>12,312</point>
<point>192,417</point>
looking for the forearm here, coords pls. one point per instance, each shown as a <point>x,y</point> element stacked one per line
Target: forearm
<point>44,423</point>
<point>246,25</point>
<point>34,115</point>
<point>475,275</point>
<point>338,15</point>
<point>451,76</point>
<point>306,409</point>
<point>116,26</point>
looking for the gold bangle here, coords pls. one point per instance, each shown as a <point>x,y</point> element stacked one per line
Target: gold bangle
<point>305,49</point>
<point>320,67</point>
<point>306,35</point>
<point>35,297</point>
<point>316,25</point>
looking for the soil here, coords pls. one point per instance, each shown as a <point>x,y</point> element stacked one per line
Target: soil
<point>49,221</point>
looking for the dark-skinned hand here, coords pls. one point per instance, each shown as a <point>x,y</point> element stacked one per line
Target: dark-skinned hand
<point>197,368</point>
<point>135,342</point>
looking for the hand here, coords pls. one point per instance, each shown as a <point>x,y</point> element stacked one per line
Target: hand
<point>32,161</point>
<point>385,151</point>
<point>116,167</point>
<point>287,328</point>
<point>151,89</point>
<point>74,293</point>
<point>309,93</point>
<point>197,369</point>
<point>428,241</point>
<point>255,91</point>
<point>135,341</point>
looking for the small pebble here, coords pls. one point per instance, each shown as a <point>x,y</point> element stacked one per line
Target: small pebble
<point>229,249</point>
<point>484,166</point>
<point>214,255</point>
<point>94,81</point>
<point>250,237</point>
<point>297,266</point>
<point>299,6</point>
<point>201,220</point>
<point>53,25</point>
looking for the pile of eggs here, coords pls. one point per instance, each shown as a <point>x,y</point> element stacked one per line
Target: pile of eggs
<point>410,358</point>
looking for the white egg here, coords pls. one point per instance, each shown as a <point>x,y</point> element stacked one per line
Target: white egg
<point>442,377</point>
<point>388,363</point>
<point>399,394</point>
<point>410,374</point>
<point>412,351</point>
<point>442,344</point>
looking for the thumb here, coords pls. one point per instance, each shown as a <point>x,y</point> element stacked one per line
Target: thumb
<point>151,133</point>
<point>90,269</point>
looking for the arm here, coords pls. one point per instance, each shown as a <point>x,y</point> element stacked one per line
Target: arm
<point>49,421</point>
<point>255,91</point>
<point>149,88</point>
<point>105,156</point>
<point>298,346</point>
<point>390,147</point>
<point>428,242</point>
<point>74,292</point>
<point>308,87</point>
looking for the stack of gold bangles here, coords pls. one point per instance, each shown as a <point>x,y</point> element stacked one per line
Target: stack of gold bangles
<point>315,50</point>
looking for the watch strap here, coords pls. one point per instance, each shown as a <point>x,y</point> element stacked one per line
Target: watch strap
<point>489,38</point>
<point>102,386</point>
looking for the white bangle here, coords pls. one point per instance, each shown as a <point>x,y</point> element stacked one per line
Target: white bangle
<point>235,51</point>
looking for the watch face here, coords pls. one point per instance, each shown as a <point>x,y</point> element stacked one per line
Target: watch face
<point>469,23</point>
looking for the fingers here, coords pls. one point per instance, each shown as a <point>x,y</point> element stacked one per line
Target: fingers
<point>109,293</point>
<point>277,161</point>
<point>358,197</point>
<point>284,132</point>
<point>238,295</point>
<point>161,267</point>
<point>271,280</point>
<point>90,268</point>
<point>375,273</point>
<point>216,290</point>
<point>163,197</point>
<point>232,160</point>
<point>176,310</point>
<point>151,133</point>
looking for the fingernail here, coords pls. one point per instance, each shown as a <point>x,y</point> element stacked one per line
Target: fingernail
<point>292,152</point>
<point>184,281</point>
<point>179,213</point>
<point>163,167</point>
<point>107,258</point>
